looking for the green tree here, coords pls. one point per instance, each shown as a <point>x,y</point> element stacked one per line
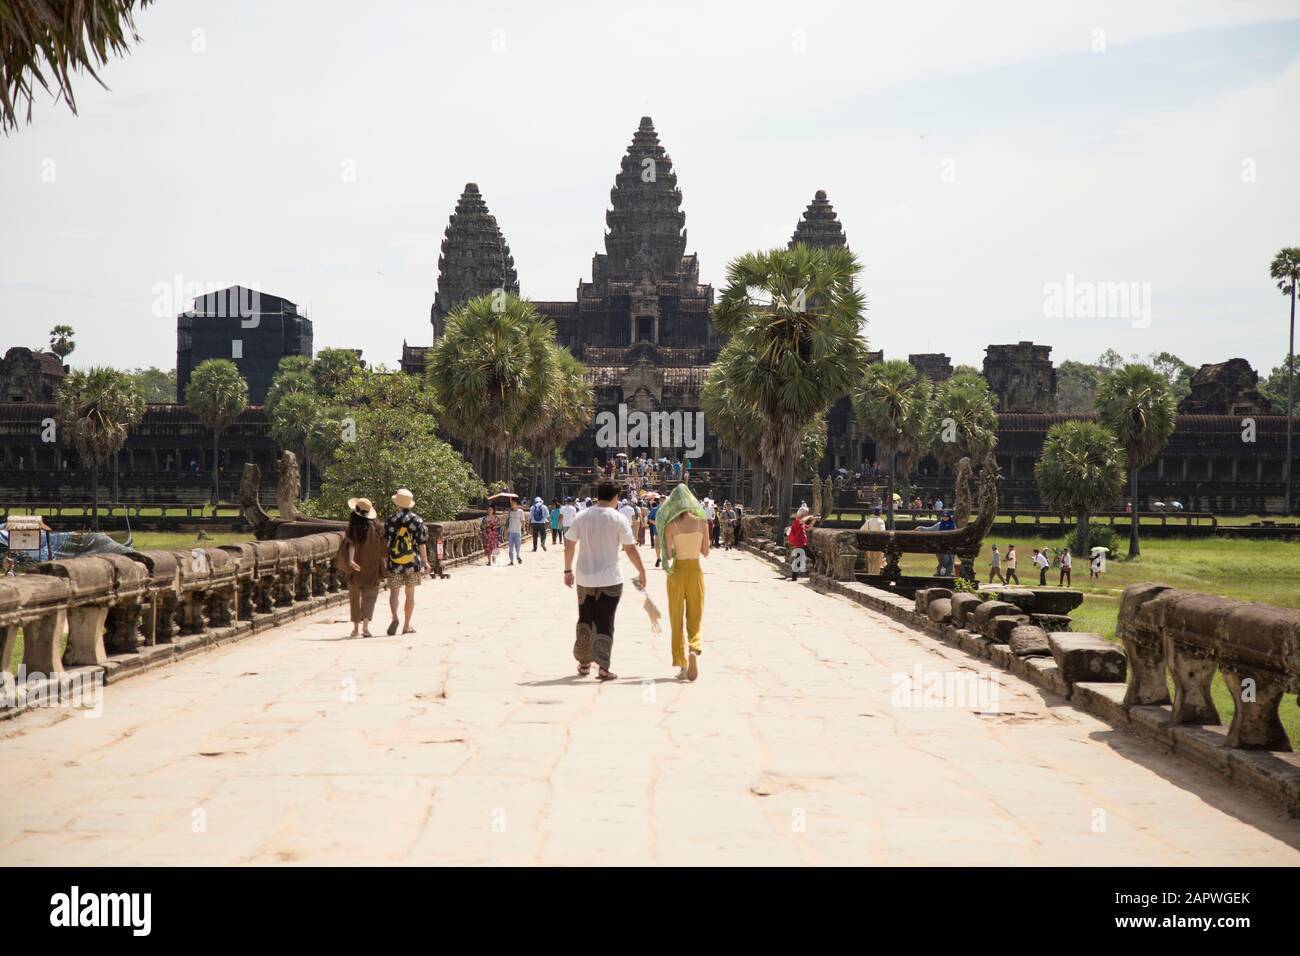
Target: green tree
<point>965,424</point>
<point>42,44</point>
<point>490,372</point>
<point>893,402</point>
<point>394,447</point>
<point>61,343</point>
<point>156,386</point>
<point>1076,385</point>
<point>95,410</point>
<point>295,420</point>
<point>1136,403</point>
<point>1273,386</point>
<point>565,410</point>
<point>1080,471</point>
<point>1176,372</point>
<point>217,394</point>
<point>332,368</point>
<point>735,422</point>
<point>1285,271</point>
<point>796,315</point>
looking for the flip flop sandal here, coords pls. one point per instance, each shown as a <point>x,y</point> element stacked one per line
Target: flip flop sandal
<point>606,675</point>
<point>584,669</point>
<point>408,630</point>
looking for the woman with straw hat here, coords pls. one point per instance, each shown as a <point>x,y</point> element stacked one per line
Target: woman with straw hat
<point>683,531</point>
<point>366,551</point>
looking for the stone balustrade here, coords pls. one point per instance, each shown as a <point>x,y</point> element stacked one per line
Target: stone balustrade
<point>834,553</point>
<point>1189,637</point>
<point>125,612</point>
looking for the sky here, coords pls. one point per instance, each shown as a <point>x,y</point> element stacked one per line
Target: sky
<point>1108,175</point>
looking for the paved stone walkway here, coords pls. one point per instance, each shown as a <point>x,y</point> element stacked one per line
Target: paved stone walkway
<point>473,741</point>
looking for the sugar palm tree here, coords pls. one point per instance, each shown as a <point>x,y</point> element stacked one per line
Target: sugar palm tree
<point>1080,471</point>
<point>964,421</point>
<point>893,403</point>
<point>295,418</point>
<point>1285,269</point>
<point>42,43</point>
<point>564,412</point>
<point>735,422</point>
<point>490,372</point>
<point>95,410</point>
<point>795,315</point>
<point>1136,403</point>
<point>61,343</point>
<point>217,394</point>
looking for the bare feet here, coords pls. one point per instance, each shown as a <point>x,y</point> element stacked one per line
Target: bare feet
<point>693,670</point>
<point>682,674</point>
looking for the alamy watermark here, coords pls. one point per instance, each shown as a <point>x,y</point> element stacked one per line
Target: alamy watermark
<point>651,430</point>
<point>959,688</point>
<point>76,691</point>
<point>1085,299</point>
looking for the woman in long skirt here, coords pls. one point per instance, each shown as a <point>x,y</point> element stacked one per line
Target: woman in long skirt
<point>367,554</point>
<point>491,535</point>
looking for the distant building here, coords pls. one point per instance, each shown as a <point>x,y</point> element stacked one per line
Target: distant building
<point>1225,388</point>
<point>253,329</point>
<point>1021,377</point>
<point>27,376</point>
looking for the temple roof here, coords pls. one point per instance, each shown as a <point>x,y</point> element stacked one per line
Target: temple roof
<point>475,258</point>
<point>820,226</point>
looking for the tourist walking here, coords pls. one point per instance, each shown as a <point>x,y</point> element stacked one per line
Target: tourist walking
<point>875,559</point>
<point>797,537</point>
<point>654,530</point>
<point>568,511</point>
<point>995,566</point>
<point>727,520</point>
<point>1066,561</point>
<point>1011,565</point>
<point>555,521</point>
<point>537,518</point>
<point>515,532</point>
<point>1041,562</point>
<point>408,556</point>
<point>490,531</point>
<point>683,541</point>
<point>595,540</point>
<point>366,551</point>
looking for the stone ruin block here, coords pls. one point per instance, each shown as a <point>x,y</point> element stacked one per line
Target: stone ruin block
<point>963,603</point>
<point>1087,657</point>
<point>924,596</point>
<point>940,610</point>
<point>1029,640</point>
<point>1000,627</point>
<point>981,618</point>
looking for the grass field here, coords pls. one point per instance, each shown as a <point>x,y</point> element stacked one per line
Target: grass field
<point>1265,571</point>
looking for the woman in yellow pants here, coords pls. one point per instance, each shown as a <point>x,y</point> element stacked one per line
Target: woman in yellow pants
<point>683,531</point>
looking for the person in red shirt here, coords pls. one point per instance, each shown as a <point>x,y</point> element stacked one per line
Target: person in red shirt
<point>797,538</point>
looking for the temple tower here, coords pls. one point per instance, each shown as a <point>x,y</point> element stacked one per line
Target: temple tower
<point>820,226</point>
<point>474,261</point>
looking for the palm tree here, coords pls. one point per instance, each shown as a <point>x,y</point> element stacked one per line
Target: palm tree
<point>43,44</point>
<point>1137,404</point>
<point>61,343</point>
<point>96,408</point>
<point>735,422</point>
<point>1080,471</point>
<point>1285,269</point>
<point>893,403</point>
<point>795,315</point>
<point>217,394</point>
<point>964,421</point>
<point>490,371</point>
<point>565,411</point>
<point>295,419</point>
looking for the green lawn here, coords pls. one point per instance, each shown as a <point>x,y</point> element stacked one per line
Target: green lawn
<point>1264,571</point>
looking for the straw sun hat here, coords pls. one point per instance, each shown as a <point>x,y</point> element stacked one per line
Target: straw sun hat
<point>404,498</point>
<point>363,507</point>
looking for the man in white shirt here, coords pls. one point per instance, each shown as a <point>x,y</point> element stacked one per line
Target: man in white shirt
<point>1041,562</point>
<point>627,511</point>
<point>595,538</point>
<point>875,559</point>
<point>515,530</point>
<point>567,513</point>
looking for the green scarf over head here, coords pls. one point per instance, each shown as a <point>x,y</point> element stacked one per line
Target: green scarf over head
<point>679,503</point>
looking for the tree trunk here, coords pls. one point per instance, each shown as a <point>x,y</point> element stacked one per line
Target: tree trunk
<point>1290,401</point>
<point>306,485</point>
<point>787,494</point>
<point>216,457</point>
<point>735,477</point>
<point>94,496</point>
<point>1082,535</point>
<point>756,492</point>
<point>1134,545</point>
<point>889,490</point>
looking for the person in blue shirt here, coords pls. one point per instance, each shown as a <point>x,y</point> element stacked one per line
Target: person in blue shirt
<point>654,513</point>
<point>946,561</point>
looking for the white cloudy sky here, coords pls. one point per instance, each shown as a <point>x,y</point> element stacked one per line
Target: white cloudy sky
<point>225,164</point>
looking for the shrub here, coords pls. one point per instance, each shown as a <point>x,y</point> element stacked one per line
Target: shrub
<point>1099,535</point>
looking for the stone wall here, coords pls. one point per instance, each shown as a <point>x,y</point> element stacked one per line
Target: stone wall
<point>1021,377</point>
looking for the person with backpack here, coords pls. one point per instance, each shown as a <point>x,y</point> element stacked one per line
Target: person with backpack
<point>408,556</point>
<point>537,518</point>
